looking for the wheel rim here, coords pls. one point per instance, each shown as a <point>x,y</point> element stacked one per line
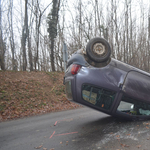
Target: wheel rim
<point>99,49</point>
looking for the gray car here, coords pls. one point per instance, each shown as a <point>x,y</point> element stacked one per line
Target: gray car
<point>96,80</point>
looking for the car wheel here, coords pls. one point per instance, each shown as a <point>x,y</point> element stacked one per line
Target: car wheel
<point>98,50</point>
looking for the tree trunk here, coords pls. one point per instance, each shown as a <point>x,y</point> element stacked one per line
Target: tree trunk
<point>11,39</point>
<point>2,44</point>
<point>52,23</point>
<point>24,37</point>
<point>30,53</point>
<point>52,55</point>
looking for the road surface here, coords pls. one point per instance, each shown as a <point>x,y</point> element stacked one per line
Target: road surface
<point>79,129</point>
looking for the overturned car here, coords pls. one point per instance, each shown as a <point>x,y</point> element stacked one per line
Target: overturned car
<point>96,80</point>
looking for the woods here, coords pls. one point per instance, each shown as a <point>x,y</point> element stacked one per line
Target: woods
<point>32,32</point>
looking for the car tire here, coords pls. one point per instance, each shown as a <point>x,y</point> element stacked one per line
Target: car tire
<point>98,50</point>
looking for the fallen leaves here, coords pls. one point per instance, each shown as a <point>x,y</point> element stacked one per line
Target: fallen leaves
<point>1,117</point>
<point>118,137</point>
<point>16,112</point>
<point>146,123</point>
<point>38,147</point>
<point>28,93</point>
<point>124,145</point>
<point>138,146</point>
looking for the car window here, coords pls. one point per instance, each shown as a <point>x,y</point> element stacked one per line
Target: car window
<point>133,107</point>
<point>68,90</point>
<point>98,96</point>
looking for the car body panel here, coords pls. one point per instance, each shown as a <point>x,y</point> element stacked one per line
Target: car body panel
<point>137,85</point>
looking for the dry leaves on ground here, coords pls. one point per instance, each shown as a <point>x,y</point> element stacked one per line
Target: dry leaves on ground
<point>31,93</point>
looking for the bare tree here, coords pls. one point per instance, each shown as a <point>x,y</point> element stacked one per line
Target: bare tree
<point>2,43</point>
<point>38,13</point>
<point>25,36</point>
<point>127,32</point>
<point>52,28</point>
<point>11,32</point>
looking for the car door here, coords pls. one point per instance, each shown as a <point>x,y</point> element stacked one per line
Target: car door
<point>137,85</point>
<point>135,100</point>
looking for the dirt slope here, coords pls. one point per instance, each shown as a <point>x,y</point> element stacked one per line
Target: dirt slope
<point>30,93</point>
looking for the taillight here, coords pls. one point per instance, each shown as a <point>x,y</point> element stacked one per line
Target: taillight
<point>75,69</point>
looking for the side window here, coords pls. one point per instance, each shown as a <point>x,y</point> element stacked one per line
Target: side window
<point>98,96</point>
<point>133,107</point>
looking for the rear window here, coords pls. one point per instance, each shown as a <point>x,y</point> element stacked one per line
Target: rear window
<point>98,96</point>
<point>68,90</point>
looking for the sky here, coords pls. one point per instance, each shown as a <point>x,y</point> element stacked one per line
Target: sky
<point>70,11</point>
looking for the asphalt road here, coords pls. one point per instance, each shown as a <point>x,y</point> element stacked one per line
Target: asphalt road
<point>79,129</point>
